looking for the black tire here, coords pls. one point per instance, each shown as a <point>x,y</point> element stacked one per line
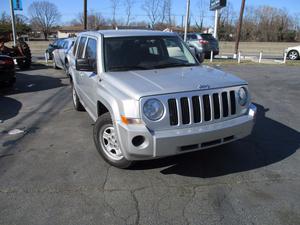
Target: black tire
<point>12,82</point>
<point>76,102</point>
<point>67,68</point>
<point>293,55</point>
<point>105,121</point>
<point>25,63</point>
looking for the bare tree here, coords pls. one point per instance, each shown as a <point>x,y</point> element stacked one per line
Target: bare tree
<point>94,20</point>
<point>202,7</point>
<point>114,7</point>
<point>128,8</point>
<point>44,15</point>
<point>166,9</point>
<point>152,9</point>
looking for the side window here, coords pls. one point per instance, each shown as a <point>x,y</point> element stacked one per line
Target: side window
<point>91,49</point>
<point>153,50</point>
<point>75,46</point>
<point>66,44</point>
<point>81,47</point>
<point>60,43</point>
<point>91,52</point>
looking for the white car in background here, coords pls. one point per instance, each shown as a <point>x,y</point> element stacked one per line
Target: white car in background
<point>293,53</point>
<point>61,55</point>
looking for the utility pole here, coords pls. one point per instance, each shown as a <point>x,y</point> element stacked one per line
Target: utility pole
<point>85,14</point>
<point>239,28</point>
<point>13,23</point>
<point>187,17</point>
<point>216,23</point>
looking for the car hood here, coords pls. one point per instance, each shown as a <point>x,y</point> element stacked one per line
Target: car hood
<point>141,83</point>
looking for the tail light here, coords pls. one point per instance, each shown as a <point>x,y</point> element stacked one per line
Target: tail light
<point>204,42</point>
<point>6,61</point>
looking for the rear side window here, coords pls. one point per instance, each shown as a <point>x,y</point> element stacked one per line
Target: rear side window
<point>66,44</point>
<point>81,47</point>
<point>75,46</point>
<point>207,37</point>
<point>91,49</point>
<point>192,37</point>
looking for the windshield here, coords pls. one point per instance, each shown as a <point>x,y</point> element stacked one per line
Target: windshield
<point>144,53</point>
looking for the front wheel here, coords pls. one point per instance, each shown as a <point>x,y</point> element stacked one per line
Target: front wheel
<point>293,55</point>
<point>105,138</point>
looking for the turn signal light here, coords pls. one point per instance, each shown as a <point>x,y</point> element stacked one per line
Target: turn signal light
<point>127,121</point>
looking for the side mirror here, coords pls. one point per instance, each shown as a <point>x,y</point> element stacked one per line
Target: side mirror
<point>87,65</point>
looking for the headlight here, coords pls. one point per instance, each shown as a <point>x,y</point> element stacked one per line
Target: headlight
<point>153,109</point>
<point>243,96</point>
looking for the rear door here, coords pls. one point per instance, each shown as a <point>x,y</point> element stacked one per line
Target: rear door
<point>62,52</point>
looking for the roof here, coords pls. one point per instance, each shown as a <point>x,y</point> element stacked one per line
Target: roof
<point>129,33</point>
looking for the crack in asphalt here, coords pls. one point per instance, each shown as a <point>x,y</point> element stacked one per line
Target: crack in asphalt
<point>106,177</point>
<point>138,213</point>
<point>87,188</point>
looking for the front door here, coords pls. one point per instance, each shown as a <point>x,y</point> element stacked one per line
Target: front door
<point>90,79</point>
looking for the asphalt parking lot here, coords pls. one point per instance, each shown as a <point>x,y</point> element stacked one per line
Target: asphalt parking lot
<point>52,174</point>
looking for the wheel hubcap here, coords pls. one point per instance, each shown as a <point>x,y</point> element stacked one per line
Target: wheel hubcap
<point>110,144</point>
<point>293,55</point>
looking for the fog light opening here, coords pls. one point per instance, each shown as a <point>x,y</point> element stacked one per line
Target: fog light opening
<point>138,140</point>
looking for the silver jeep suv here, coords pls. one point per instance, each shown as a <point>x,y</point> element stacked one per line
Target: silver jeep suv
<point>150,97</point>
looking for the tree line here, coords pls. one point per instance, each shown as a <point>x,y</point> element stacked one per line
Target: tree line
<point>261,23</point>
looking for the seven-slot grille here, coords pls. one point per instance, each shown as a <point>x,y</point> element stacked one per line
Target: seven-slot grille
<point>203,108</point>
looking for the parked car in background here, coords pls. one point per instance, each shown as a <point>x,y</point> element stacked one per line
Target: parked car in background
<point>61,55</point>
<point>7,71</point>
<point>150,97</point>
<point>55,45</point>
<point>293,53</point>
<point>203,43</point>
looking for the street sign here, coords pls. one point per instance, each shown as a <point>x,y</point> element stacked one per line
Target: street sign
<point>217,4</point>
<point>17,5</point>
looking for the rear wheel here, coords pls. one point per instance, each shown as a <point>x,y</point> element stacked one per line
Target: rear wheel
<point>105,139</point>
<point>293,55</point>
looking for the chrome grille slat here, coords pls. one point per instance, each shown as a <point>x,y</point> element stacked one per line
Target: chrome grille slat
<point>191,110</point>
<point>229,104</point>
<point>213,106</point>
<point>179,112</point>
<point>221,108</point>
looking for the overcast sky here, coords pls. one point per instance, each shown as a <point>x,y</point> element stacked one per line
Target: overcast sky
<point>69,9</point>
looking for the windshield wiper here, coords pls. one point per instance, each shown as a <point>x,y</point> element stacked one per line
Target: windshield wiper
<point>126,68</point>
<point>167,65</point>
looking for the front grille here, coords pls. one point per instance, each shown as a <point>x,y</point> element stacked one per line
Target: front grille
<point>203,108</point>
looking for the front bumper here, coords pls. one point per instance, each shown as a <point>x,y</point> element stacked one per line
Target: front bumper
<point>177,141</point>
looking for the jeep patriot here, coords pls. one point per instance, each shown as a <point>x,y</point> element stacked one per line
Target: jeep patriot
<point>150,97</point>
